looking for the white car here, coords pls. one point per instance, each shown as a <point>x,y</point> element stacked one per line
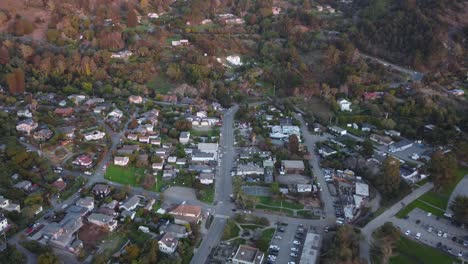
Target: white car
<point>278,237</point>
<point>296,242</point>
<point>88,173</point>
<point>439,233</point>
<point>294,249</point>
<point>444,235</point>
<point>293,255</point>
<point>407,232</point>
<point>418,236</point>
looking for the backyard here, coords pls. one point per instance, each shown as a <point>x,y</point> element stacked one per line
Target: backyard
<point>131,175</point>
<point>409,252</point>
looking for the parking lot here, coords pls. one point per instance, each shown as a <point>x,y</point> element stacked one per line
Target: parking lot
<point>436,232</point>
<point>284,238</point>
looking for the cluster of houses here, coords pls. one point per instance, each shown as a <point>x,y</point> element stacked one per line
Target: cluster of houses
<point>201,119</point>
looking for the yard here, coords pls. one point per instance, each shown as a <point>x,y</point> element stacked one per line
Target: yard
<point>409,252</point>
<point>265,239</point>
<point>436,199</point>
<point>206,195</point>
<point>91,235</point>
<point>269,201</point>
<point>124,175</point>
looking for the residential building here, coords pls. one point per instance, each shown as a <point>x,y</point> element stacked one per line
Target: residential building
<point>302,188</point>
<point>187,214</point>
<point>121,161</point>
<point>409,174</point>
<point>249,169</point>
<point>144,139</point>
<point>401,145</point>
<point>59,184</point>
<point>24,185</point>
<point>3,223</point>
<point>131,204</point>
<point>199,156</point>
<point>283,132</point>
<point>292,167</point>
<point>208,148</point>
<point>326,151</point>
<point>135,99</point>
<point>344,105</point>
<point>63,233</point>
<point>168,243</point>
<point>8,206</point>
<point>26,126</point>
<point>206,178</point>
<point>86,202</point>
<point>64,112</point>
<point>94,135</point>
<point>68,131</point>
<point>178,231</point>
<point>337,131</point>
<point>132,137</point>
<point>367,127</point>
<point>157,166</point>
<point>84,161</point>
<point>392,133</point>
<point>24,113</point>
<point>101,190</point>
<point>103,220</point>
<point>126,213</point>
<point>201,114</point>
<point>43,134</point>
<point>247,255</point>
<point>117,113</point>
<point>383,140</point>
<point>184,137</point>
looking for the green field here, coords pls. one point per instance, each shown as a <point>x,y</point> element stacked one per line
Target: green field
<point>207,195</point>
<point>286,211</point>
<point>438,199</point>
<point>411,252</point>
<point>124,175</point>
<point>269,201</point>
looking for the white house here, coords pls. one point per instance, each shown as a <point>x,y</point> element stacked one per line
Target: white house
<point>131,204</point>
<point>206,178</point>
<point>301,188</point>
<point>168,243</point>
<point>94,135</point>
<point>26,126</point>
<point>3,223</point>
<point>135,99</point>
<point>117,113</point>
<point>121,161</point>
<point>184,137</point>
<point>344,104</point>
<point>201,114</point>
<point>157,166</point>
<point>24,113</point>
<point>86,202</point>
<point>401,145</point>
<point>103,220</point>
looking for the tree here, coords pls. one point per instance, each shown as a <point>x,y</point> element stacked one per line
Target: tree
<point>15,81</point>
<point>293,143</point>
<point>132,19</point>
<point>442,169</point>
<point>459,207</point>
<point>389,181</point>
<point>47,258</point>
<point>367,148</point>
<point>4,55</point>
<point>153,252</point>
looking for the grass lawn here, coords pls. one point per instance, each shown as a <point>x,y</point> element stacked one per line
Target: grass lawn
<point>251,227</point>
<point>411,252</point>
<point>160,85</point>
<point>265,200</point>
<point>205,133</point>
<point>265,239</point>
<point>159,182</point>
<point>307,214</point>
<point>439,199</point>
<point>207,195</point>
<point>231,230</point>
<point>275,209</point>
<point>124,175</point>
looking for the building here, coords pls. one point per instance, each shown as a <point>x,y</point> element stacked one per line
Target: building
<point>247,255</point>
<point>201,114</point>
<point>121,161</point>
<point>24,113</point>
<point>326,151</point>
<point>206,178</point>
<point>302,188</point>
<point>367,127</point>
<point>94,135</point>
<point>157,166</point>
<point>311,250</point>
<point>337,131</point>
<point>249,169</point>
<point>8,206</point>
<point>168,243</point>
<point>101,190</point>
<point>26,126</point>
<point>200,156</point>
<point>59,184</point>
<point>3,223</point>
<point>135,99</point>
<point>392,133</point>
<point>208,147</point>
<point>178,231</point>
<point>383,140</point>
<point>131,204</point>
<point>409,174</point>
<point>401,145</point>
<point>103,220</point>
<point>184,137</point>
<point>62,234</point>
<point>64,112</point>
<point>283,132</point>
<point>185,213</point>
<point>43,134</point>
<point>117,113</point>
<point>84,161</point>
<point>24,185</point>
<point>68,131</point>
<point>86,202</point>
<point>130,214</point>
<point>292,167</point>
<point>344,104</point>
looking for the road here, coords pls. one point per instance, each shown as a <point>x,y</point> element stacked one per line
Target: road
<point>415,76</point>
<point>223,189</point>
<point>386,216</point>
<point>325,196</point>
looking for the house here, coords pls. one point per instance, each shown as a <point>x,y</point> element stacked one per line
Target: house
<point>27,126</point>
<point>156,142</point>
<point>200,168</point>
<point>84,161</point>
<point>144,139</point>
<point>401,145</point>
<point>3,223</point>
<point>157,166</point>
<point>362,189</point>
<point>117,113</point>
<point>135,99</point>
<point>178,231</point>
<point>247,255</point>
<point>132,137</point>
<point>383,140</point>
<point>337,131</point>
<point>409,174</point>
<point>43,134</point>
<point>152,15</point>
<point>98,109</point>
<point>185,213</point>
<point>124,54</point>
<point>206,178</point>
<point>94,101</point>
<point>169,172</point>
<point>181,161</point>
<point>94,135</point>
<point>59,184</point>
<point>24,113</point>
<point>128,149</point>
<point>131,204</point>
<point>8,206</point>
<point>172,159</point>
<point>344,105</point>
<point>302,188</point>
<point>457,92</point>
<point>182,42</point>
<point>68,131</point>
<point>367,127</point>
<point>276,10</point>
<point>126,213</point>
<point>77,98</point>
<point>199,156</point>
<point>103,220</point>
<point>392,133</point>
<point>121,161</point>
<point>249,169</point>
<point>24,185</point>
<point>101,190</point>
<point>373,95</point>
<point>86,202</point>
<point>201,114</point>
<point>64,112</point>
<point>292,167</point>
<point>184,137</point>
<point>168,243</point>
<point>75,209</point>
<point>63,233</point>
<point>326,151</point>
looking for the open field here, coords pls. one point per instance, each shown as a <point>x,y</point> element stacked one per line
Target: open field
<point>124,175</point>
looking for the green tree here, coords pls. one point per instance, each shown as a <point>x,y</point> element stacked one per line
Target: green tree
<point>389,182</point>
<point>459,207</point>
<point>47,258</point>
<point>367,148</point>
<point>442,169</point>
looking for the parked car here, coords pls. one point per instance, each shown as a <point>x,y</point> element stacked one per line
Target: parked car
<point>294,249</point>
<point>408,232</point>
<point>418,236</point>
<point>439,233</point>
<point>294,255</point>
<point>295,242</point>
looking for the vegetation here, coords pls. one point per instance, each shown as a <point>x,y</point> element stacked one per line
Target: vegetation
<point>344,247</point>
<point>131,175</point>
<point>459,207</point>
<point>231,230</point>
<point>442,169</point>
